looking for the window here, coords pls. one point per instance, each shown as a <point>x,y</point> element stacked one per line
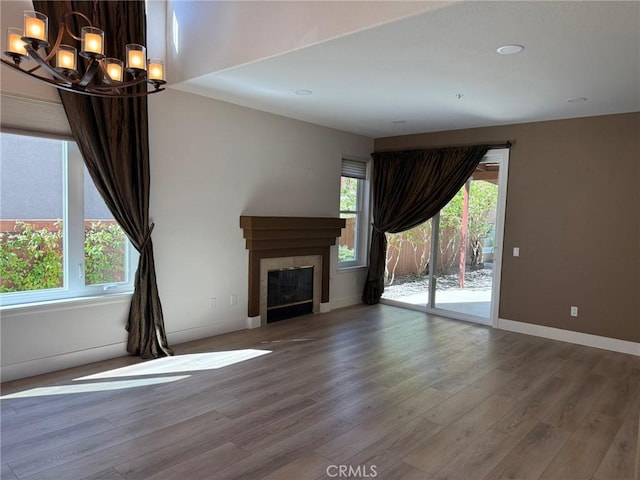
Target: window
<point>57,237</point>
<point>353,208</point>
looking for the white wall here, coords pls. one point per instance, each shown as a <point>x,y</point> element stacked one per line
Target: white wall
<point>210,163</point>
<point>47,337</point>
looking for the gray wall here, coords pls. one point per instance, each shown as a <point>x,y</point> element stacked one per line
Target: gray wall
<point>573,209</point>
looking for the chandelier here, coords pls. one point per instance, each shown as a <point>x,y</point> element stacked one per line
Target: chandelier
<point>102,77</point>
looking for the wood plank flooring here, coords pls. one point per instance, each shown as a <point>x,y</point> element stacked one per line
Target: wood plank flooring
<point>361,392</point>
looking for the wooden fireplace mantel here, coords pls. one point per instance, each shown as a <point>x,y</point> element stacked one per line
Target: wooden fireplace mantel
<point>272,237</point>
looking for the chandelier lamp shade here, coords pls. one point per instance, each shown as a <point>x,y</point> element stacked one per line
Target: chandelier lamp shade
<point>93,73</point>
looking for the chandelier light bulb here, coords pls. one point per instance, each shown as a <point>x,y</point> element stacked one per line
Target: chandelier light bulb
<point>114,69</point>
<point>15,44</point>
<point>92,41</point>
<point>35,25</point>
<point>156,69</point>
<point>66,58</point>
<point>136,57</point>
<point>35,28</point>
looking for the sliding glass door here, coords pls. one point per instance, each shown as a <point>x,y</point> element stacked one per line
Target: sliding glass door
<point>450,265</point>
<point>407,270</point>
<point>465,253</point>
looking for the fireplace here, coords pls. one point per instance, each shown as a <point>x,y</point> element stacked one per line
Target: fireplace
<point>312,264</point>
<point>276,243</point>
<point>289,292</point>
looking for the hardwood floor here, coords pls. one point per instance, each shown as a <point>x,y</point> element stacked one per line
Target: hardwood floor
<point>369,392</point>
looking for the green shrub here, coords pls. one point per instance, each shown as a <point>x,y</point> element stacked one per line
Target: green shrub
<point>104,253</point>
<point>345,253</point>
<point>31,259</point>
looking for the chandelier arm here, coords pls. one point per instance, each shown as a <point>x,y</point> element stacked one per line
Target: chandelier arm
<point>106,77</point>
<point>66,19</point>
<point>45,65</point>
<point>89,73</point>
<point>53,50</point>
<point>56,45</point>
<point>110,84</point>
<point>66,86</point>
<point>96,93</point>
<point>131,83</point>
<point>31,69</point>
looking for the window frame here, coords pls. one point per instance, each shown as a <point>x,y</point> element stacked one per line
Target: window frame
<point>73,253</point>
<point>362,227</point>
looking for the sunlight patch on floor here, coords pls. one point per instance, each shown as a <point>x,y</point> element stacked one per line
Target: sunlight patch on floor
<point>288,340</point>
<point>92,387</point>
<point>181,363</point>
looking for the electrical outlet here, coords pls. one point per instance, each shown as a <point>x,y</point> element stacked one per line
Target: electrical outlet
<point>233,299</point>
<point>516,251</point>
<point>212,303</point>
<point>574,311</point>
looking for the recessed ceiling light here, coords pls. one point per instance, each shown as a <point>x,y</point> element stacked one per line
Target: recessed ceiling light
<point>577,99</point>
<point>399,122</point>
<point>510,49</point>
<point>303,92</point>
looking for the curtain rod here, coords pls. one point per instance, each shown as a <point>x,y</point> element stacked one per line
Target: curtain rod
<point>506,144</point>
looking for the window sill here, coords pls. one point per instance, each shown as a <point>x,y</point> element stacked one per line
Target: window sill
<point>66,303</point>
<point>351,268</point>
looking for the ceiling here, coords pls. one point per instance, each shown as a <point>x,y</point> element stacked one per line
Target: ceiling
<point>440,70</point>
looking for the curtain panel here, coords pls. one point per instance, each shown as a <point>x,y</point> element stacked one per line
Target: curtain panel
<point>112,135</point>
<point>408,188</point>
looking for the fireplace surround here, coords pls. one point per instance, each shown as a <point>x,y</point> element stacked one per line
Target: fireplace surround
<point>284,242</point>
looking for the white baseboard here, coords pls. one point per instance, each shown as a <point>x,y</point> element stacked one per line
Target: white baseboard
<point>39,366</point>
<point>587,339</point>
<point>62,361</point>
<point>254,322</point>
<point>325,307</point>
<point>346,301</point>
<point>203,331</point>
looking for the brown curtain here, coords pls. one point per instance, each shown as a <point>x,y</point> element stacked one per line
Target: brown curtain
<point>410,187</point>
<point>112,135</point>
